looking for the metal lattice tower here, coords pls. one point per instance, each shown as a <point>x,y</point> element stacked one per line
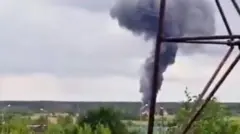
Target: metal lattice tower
<point>230,40</point>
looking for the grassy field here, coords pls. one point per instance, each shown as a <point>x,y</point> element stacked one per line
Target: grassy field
<point>236,119</point>
<point>168,118</point>
<point>135,122</point>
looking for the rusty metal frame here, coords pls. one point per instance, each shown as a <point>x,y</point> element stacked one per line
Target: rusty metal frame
<point>229,40</point>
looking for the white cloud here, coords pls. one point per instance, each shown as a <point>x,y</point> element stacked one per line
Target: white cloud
<point>61,40</point>
<point>53,51</point>
<point>116,88</point>
<point>33,87</point>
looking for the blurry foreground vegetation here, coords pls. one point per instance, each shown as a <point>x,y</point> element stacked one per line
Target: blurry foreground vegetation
<point>216,119</point>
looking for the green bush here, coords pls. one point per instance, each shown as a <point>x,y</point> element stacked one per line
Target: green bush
<point>215,118</point>
<point>19,126</point>
<point>65,120</point>
<point>74,129</point>
<point>41,120</point>
<point>107,117</point>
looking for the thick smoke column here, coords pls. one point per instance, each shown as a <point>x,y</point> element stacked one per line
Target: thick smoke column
<point>182,17</point>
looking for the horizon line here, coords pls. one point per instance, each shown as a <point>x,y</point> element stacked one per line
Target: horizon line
<point>102,101</point>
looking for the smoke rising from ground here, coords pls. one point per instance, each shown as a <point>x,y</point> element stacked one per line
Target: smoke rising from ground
<point>182,18</point>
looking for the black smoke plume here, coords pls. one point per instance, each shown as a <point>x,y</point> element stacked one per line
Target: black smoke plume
<point>182,18</point>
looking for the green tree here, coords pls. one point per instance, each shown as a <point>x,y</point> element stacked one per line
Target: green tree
<point>215,118</point>
<point>41,120</point>
<point>17,125</point>
<point>64,120</point>
<point>107,117</point>
<point>55,129</point>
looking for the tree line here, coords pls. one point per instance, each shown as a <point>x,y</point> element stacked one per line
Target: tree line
<point>215,119</point>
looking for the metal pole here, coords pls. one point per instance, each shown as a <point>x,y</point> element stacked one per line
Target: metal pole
<point>226,42</point>
<point>194,38</point>
<point>209,83</point>
<point>230,40</point>
<point>221,63</point>
<point>223,16</point>
<point>234,63</point>
<point>236,6</point>
<point>156,67</point>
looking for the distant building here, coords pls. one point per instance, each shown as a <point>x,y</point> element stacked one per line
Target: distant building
<point>160,111</point>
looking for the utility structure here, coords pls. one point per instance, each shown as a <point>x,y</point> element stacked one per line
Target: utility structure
<point>230,40</point>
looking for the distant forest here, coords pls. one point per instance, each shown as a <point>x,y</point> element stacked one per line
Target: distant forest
<point>81,107</point>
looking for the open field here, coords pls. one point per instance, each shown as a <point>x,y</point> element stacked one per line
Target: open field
<point>236,119</point>
<point>137,125</point>
<point>169,118</point>
<point>135,122</point>
<point>63,107</point>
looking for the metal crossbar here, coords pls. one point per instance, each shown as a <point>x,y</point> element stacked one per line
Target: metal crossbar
<point>229,40</point>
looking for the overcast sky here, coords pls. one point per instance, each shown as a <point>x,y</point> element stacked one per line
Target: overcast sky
<point>72,50</point>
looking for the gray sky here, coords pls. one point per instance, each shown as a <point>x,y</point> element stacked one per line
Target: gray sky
<point>73,50</point>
